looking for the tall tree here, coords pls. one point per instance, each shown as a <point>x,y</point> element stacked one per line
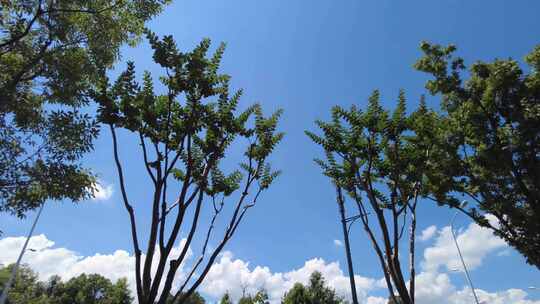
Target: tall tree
<point>51,54</point>
<point>381,160</point>
<point>184,136</point>
<point>493,137</point>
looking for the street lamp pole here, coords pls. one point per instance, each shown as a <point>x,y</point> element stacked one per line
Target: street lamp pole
<point>3,298</point>
<point>461,258</point>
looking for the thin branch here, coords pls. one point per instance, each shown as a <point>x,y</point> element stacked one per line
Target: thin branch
<point>146,163</point>
<point>131,213</point>
<point>217,211</point>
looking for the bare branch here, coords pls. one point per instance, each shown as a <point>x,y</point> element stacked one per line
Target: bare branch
<point>131,213</point>
<point>145,156</point>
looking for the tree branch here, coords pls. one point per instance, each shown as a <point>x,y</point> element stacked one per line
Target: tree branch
<point>131,213</point>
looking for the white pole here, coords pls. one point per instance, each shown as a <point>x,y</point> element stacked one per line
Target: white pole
<point>461,258</point>
<point>3,298</point>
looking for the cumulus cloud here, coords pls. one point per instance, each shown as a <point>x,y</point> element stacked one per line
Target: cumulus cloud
<point>436,288</point>
<point>376,300</point>
<point>432,287</point>
<point>338,243</point>
<point>228,270</point>
<point>428,233</point>
<point>233,275</point>
<point>103,191</point>
<point>475,243</point>
<point>48,260</point>
<point>514,296</point>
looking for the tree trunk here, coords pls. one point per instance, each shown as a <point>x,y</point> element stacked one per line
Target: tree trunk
<point>411,253</point>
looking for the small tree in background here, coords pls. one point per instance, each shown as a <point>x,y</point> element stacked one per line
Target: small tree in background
<point>315,293</point>
<point>26,287</point>
<point>296,295</point>
<point>492,135</point>
<point>83,289</point>
<point>261,297</point>
<point>184,135</point>
<point>226,299</point>
<point>195,298</point>
<point>382,161</point>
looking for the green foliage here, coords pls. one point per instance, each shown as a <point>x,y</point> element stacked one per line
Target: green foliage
<point>25,288</point>
<point>297,295</point>
<point>194,298</point>
<point>492,127</point>
<point>378,147</point>
<point>185,135</point>
<point>84,289</point>
<point>315,293</point>
<point>261,297</point>
<point>226,299</point>
<point>51,54</point>
<point>383,161</point>
<point>211,127</point>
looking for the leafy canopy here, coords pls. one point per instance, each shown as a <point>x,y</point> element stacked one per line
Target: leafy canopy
<point>226,299</point>
<point>261,297</point>
<point>315,293</point>
<point>83,289</point>
<point>185,135</point>
<point>492,135</point>
<point>383,161</point>
<point>51,54</point>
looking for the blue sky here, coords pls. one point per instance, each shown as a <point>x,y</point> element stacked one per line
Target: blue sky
<point>305,57</point>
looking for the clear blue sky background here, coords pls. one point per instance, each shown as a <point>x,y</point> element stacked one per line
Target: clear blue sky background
<point>304,57</point>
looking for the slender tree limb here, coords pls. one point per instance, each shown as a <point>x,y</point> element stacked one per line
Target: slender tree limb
<point>145,156</point>
<point>131,213</point>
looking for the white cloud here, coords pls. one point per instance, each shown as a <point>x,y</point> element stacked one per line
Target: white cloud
<point>376,300</point>
<point>102,191</point>
<point>338,243</point>
<point>48,260</point>
<point>436,288</point>
<point>428,233</point>
<point>475,243</point>
<point>432,287</point>
<point>228,270</point>
<point>513,296</point>
<point>233,275</point>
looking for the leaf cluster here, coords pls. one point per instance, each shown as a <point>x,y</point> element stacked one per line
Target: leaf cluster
<point>51,54</point>
<point>374,150</point>
<point>316,292</point>
<point>197,109</point>
<point>492,127</point>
